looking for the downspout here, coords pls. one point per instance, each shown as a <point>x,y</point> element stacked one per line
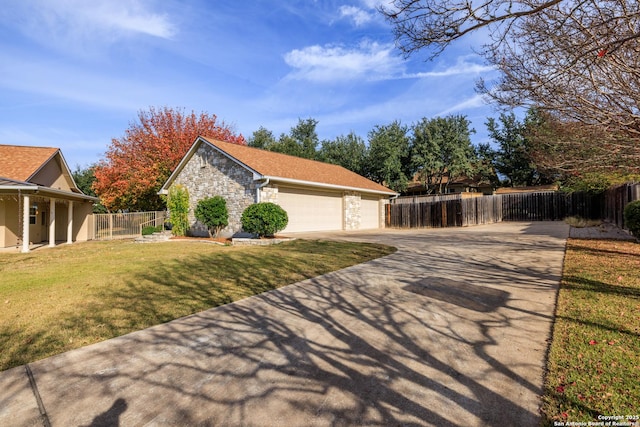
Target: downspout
<point>263,184</point>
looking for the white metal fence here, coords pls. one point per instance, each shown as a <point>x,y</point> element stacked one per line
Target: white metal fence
<point>124,225</point>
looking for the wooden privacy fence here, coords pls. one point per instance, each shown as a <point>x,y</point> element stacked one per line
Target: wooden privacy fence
<point>446,213</point>
<point>124,225</point>
<point>616,199</point>
<point>551,206</point>
<point>545,206</point>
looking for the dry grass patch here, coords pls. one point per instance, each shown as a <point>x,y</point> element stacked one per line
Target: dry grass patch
<point>594,361</point>
<point>579,222</point>
<point>58,299</point>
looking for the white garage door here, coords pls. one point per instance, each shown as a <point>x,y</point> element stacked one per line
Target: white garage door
<point>369,213</point>
<point>311,210</point>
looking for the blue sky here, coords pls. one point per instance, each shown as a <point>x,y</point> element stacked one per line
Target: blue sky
<point>74,73</point>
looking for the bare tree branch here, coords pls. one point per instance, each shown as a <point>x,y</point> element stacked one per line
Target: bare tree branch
<point>579,59</point>
<point>435,24</point>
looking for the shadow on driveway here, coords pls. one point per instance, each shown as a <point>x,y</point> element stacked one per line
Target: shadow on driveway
<point>450,330</point>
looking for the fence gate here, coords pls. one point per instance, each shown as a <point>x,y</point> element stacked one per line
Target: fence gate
<point>124,225</point>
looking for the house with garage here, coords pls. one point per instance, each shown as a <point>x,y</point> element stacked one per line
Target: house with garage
<point>317,196</point>
<point>39,200</point>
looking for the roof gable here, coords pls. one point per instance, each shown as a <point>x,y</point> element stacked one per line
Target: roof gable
<point>278,166</point>
<point>21,163</point>
<point>37,165</point>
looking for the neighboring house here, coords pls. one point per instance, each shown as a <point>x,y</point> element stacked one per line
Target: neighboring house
<point>39,201</point>
<point>461,184</point>
<point>316,196</point>
<point>530,189</point>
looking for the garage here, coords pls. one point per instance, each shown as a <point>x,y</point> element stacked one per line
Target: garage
<point>311,210</point>
<point>369,213</point>
<point>317,196</point>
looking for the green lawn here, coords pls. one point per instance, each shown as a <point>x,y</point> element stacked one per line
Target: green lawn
<point>594,361</point>
<point>54,300</point>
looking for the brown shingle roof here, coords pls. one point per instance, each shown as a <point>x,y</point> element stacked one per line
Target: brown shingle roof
<point>20,162</point>
<point>277,165</point>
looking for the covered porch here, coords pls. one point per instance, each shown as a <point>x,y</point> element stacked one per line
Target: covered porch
<point>31,215</point>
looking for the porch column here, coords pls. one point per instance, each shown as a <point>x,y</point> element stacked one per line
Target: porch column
<point>26,206</point>
<point>52,222</point>
<point>70,222</point>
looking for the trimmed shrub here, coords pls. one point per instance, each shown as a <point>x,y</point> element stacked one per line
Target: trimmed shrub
<point>213,213</point>
<point>178,205</point>
<point>150,229</point>
<point>632,218</point>
<point>264,219</point>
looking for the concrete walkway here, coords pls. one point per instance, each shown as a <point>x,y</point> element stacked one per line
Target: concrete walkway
<point>450,330</point>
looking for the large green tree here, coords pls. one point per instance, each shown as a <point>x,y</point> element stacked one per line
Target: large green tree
<point>84,179</point>
<point>485,170</point>
<point>305,136</point>
<point>389,154</point>
<point>512,159</point>
<point>441,148</point>
<point>262,138</point>
<point>348,151</point>
<point>301,141</point>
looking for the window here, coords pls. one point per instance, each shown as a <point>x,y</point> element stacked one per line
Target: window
<point>33,213</point>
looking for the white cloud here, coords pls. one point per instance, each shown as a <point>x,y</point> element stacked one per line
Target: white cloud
<point>475,101</point>
<point>130,17</point>
<point>462,67</point>
<point>72,23</point>
<point>86,87</point>
<point>359,16</point>
<point>329,63</point>
<point>368,61</point>
<point>373,4</point>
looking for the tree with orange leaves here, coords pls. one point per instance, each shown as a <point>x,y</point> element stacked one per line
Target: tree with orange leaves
<point>136,165</point>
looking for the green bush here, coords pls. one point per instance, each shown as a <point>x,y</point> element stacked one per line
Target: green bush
<point>150,229</point>
<point>178,205</point>
<point>632,218</point>
<point>264,219</point>
<point>213,213</point>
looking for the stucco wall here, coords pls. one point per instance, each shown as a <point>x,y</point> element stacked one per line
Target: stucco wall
<point>11,221</point>
<point>51,176</point>
<point>209,173</point>
<point>5,233</point>
<point>82,221</point>
<point>2,225</point>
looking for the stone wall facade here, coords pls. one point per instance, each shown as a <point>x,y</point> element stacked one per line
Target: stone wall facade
<point>209,173</point>
<point>269,193</point>
<point>382,212</point>
<point>351,217</point>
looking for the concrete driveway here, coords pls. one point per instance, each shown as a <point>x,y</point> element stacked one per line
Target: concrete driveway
<point>450,330</point>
